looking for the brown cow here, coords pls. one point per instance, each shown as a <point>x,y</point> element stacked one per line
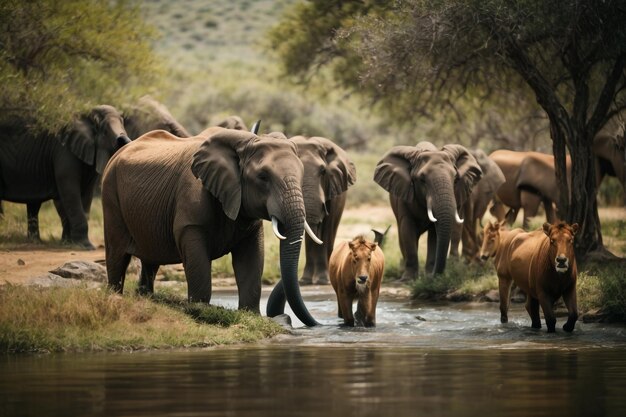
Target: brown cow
<point>356,271</point>
<point>541,263</point>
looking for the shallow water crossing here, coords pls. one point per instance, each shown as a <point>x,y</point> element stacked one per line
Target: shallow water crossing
<point>421,359</point>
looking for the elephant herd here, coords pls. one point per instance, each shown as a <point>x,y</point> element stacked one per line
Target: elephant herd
<point>170,197</point>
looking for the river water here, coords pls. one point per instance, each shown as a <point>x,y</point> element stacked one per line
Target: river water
<point>421,359</point>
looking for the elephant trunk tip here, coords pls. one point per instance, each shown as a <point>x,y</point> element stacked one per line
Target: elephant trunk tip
<point>122,140</point>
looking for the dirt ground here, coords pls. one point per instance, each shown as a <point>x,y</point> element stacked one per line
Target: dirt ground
<point>20,264</point>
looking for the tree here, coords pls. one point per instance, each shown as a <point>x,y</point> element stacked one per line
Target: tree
<point>61,57</point>
<point>420,55</point>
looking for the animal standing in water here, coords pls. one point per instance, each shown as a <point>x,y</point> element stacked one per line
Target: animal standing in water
<point>356,271</point>
<point>541,263</point>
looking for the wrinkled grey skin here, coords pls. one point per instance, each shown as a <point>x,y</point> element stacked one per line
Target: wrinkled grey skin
<point>610,151</point>
<point>64,167</point>
<point>148,114</point>
<point>476,206</point>
<point>168,200</point>
<point>328,172</point>
<point>416,176</point>
<point>233,122</point>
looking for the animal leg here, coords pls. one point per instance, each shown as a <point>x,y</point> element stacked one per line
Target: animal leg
<point>117,263</point>
<point>32,210</point>
<point>548,313</point>
<point>532,307</point>
<point>65,236</point>
<point>197,263</point>
<point>146,278</point>
<point>530,202</point>
<point>431,249</point>
<point>569,298</point>
<point>248,260</point>
<point>345,304</point>
<point>504,287</point>
<point>407,237</point>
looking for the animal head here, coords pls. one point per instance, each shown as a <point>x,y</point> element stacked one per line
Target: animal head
<point>249,172</point>
<point>561,249</point>
<point>95,136</point>
<point>361,255</point>
<point>491,240</point>
<point>328,172</point>
<point>423,173</point>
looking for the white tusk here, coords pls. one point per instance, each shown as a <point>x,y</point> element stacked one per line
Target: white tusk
<point>458,219</point>
<point>431,216</point>
<point>308,230</point>
<point>275,229</point>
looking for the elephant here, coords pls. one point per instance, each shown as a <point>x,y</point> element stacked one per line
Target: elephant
<point>427,188</point>
<point>530,180</point>
<point>168,200</point>
<point>610,151</point>
<point>234,122</point>
<point>62,166</point>
<point>476,206</point>
<point>328,172</point>
<point>148,114</point>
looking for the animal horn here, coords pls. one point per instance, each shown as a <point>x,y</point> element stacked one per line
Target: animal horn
<point>458,219</point>
<point>308,230</point>
<point>431,216</point>
<point>275,228</point>
<point>255,127</point>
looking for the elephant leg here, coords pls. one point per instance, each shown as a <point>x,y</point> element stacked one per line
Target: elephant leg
<point>455,239</point>
<point>197,263</point>
<point>431,249</point>
<point>551,215</point>
<point>146,278</point>
<point>248,260</point>
<point>407,236</point>
<point>32,210</point>
<point>70,196</point>
<point>117,263</point>
<point>310,254</point>
<point>316,255</point>
<point>530,204</point>
<point>65,222</point>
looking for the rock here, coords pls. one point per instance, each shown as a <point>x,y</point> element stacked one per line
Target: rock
<point>82,270</point>
<point>492,296</point>
<point>21,262</point>
<point>420,318</point>
<point>52,280</point>
<point>284,320</point>
<point>458,296</point>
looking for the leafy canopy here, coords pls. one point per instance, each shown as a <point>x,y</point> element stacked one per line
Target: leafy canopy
<point>61,57</point>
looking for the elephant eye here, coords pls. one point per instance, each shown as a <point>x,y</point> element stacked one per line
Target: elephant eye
<point>322,170</point>
<point>262,176</point>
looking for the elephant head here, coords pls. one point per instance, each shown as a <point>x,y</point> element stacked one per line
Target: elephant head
<point>234,122</point>
<point>148,114</point>
<point>259,177</point>
<point>435,182</point>
<point>328,172</point>
<point>95,136</point>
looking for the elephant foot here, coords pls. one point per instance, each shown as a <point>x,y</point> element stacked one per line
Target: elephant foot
<point>408,276</point>
<point>305,281</point>
<point>322,280</point>
<point>85,244</point>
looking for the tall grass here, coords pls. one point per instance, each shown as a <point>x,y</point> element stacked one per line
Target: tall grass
<point>80,319</point>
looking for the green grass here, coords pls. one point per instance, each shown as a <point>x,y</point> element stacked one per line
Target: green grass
<point>80,319</point>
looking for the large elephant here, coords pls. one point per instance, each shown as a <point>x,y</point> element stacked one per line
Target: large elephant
<point>62,166</point>
<point>168,200</point>
<point>530,180</point>
<point>148,114</point>
<point>475,207</point>
<point>610,151</point>
<point>427,188</point>
<point>328,172</point>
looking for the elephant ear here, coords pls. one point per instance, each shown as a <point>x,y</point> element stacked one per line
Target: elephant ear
<point>393,172</point>
<point>216,164</point>
<point>79,138</point>
<point>492,173</point>
<point>469,171</point>
<point>340,171</point>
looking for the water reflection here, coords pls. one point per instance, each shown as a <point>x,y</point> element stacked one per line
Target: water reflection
<point>421,359</point>
<point>317,381</point>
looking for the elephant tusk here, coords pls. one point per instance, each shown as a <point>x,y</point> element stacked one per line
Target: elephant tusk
<point>308,230</point>
<point>275,229</point>
<point>255,127</point>
<point>431,216</point>
<point>458,219</point>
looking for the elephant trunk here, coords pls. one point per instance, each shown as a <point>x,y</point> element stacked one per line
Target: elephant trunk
<point>288,286</point>
<point>444,209</point>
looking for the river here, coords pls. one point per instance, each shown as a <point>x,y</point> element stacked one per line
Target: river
<point>431,359</point>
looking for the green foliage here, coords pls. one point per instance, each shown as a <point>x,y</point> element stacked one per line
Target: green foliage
<point>61,57</point>
<point>602,287</point>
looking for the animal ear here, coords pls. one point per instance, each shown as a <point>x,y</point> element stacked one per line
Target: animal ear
<point>546,228</point>
<point>340,171</point>
<point>216,164</point>
<point>393,172</point>
<point>575,228</point>
<point>78,137</point>
<point>469,171</point>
